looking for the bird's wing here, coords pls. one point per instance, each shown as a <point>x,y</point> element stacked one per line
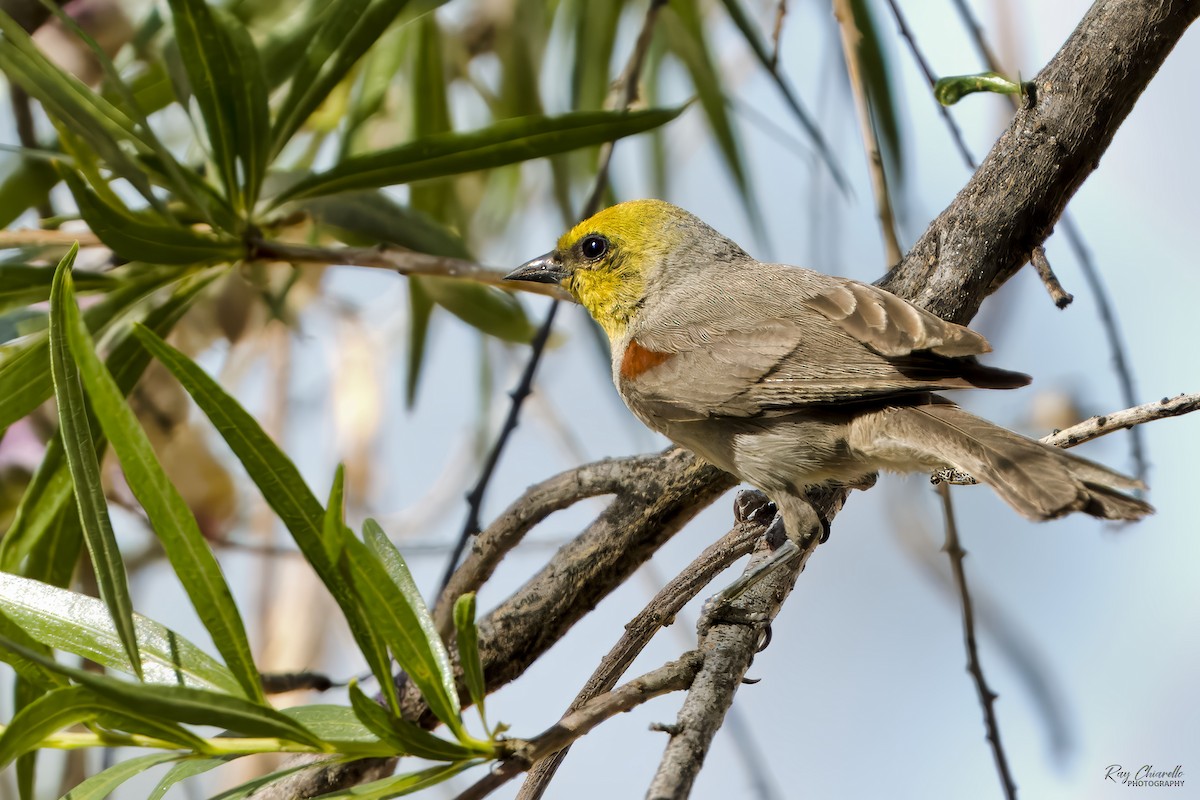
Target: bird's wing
<point>890,325</point>
<point>847,342</point>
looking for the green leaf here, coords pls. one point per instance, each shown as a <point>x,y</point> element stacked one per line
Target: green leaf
<point>383,583</point>
<point>181,703</point>
<point>48,714</point>
<point>404,737</point>
<point>347,29</point>
<point>754,38</point>
<point>227,80</point>
<point>340,727</point>
<point>420,309</point>
<point>32,675</point>
<point>333,528</point>
<point>594,28</point>
<point>21,285</point>
<point>80,625</point>
<point>468,651</point>
<point>101,785</point>
<point>950,90</point>
<point>25,184</point>
<point>85,470</point>
<point>23,373</point>
<point>136,238</point>
<point>194,563</point>
<point>49,492</point>
<point>187,769</point>
<point>282,487</point>
<point>505,142</point>
<point>493,311</point>
<point>400,785</point>
<point>686,38</point>
<point>878,88</point>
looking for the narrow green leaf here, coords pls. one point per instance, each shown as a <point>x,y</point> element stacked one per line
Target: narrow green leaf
<point>32,675</point>
<point>23,373</point>
<point>406,637</point>
<point>85,470</point>
<point>878,87</point>
<point>371,217</point>
<point>686,38</point>
<point>187,769</point>
<point>194,563</point>
<point>468,651</point>
<point>48,493</point>
<point>332,529</point>
<point>54,555</point>
<point>101,785</point>
<point>495,312</point>
<point>227,80</point>
<point>135,238</point>
<point>400,785</point>
<point>25,693</point>
<point>181,703</point>
<point>21,285</point>
<point>594,28</point>
<point>755,39</point>
<point>281,486</point>
<point>48,714</point>
<point>25,184</point>
<point>506,142</point>
<point>340,727</point>
<point>333,51</point>
<point>404,737</point>
<point>78,624</point>
<point>420,310</point>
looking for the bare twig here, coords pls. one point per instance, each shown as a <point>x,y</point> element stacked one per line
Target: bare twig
<point>730,638</point>
<point>987,698</point>
<point>35,237</point>
<point>1123,420</point>
<point>1091,274</point>
<point>660,611</point>
<point>851,47</point>
<point>1061,297</point>
<point>538,502</point>
<point>1112,332</point>
<point>628,83</point>
<point>670,677</point>
<point>781,10</point>
<point>518,395</point>
<point>405,262</point>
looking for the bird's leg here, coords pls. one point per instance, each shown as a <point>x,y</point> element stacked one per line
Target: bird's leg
<point>787,542</point>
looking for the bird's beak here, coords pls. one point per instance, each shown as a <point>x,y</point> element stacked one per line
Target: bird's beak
<point>543,269</point>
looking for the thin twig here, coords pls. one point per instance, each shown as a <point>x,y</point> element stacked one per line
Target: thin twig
<point>27,136</point>
<point>1112,332</point>
<point>852,48</point>
<point>475,496</point>
<point>628,88</point>
<point>660,611</point>
<point>1124,420</point>
<point>1061,297</point>
<point>781,10</point>
<point>405,262</point>
<point>987,698</point>
<point>1091,274</point>
<point>670,677</point>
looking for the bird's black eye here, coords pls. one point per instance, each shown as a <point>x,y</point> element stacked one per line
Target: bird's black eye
<point>593,247</point>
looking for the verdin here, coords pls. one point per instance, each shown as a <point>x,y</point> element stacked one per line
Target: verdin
<point>787,378</point>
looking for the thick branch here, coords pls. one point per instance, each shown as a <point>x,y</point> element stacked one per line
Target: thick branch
<point>1014,199</point>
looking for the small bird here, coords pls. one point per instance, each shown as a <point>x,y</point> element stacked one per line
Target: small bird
<point>788,378</point>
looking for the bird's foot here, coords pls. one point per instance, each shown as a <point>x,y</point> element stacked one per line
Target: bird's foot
<point>952,476</point>
<point>720,608</point>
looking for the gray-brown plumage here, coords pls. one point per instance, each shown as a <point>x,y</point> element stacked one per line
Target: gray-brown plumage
<point>787,377</point>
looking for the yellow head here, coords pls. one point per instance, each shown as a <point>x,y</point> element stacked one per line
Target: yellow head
<point>613,261</point>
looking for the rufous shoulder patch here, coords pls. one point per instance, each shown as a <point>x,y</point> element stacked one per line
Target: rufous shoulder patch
<point>638,359</point>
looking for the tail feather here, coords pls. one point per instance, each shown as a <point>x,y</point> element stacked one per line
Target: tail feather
<point>1039,481</point>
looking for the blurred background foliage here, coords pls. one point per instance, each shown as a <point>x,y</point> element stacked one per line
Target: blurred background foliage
<point>212,160</point>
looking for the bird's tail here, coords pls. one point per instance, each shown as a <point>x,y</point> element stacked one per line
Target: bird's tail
<point>1039,481</point>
